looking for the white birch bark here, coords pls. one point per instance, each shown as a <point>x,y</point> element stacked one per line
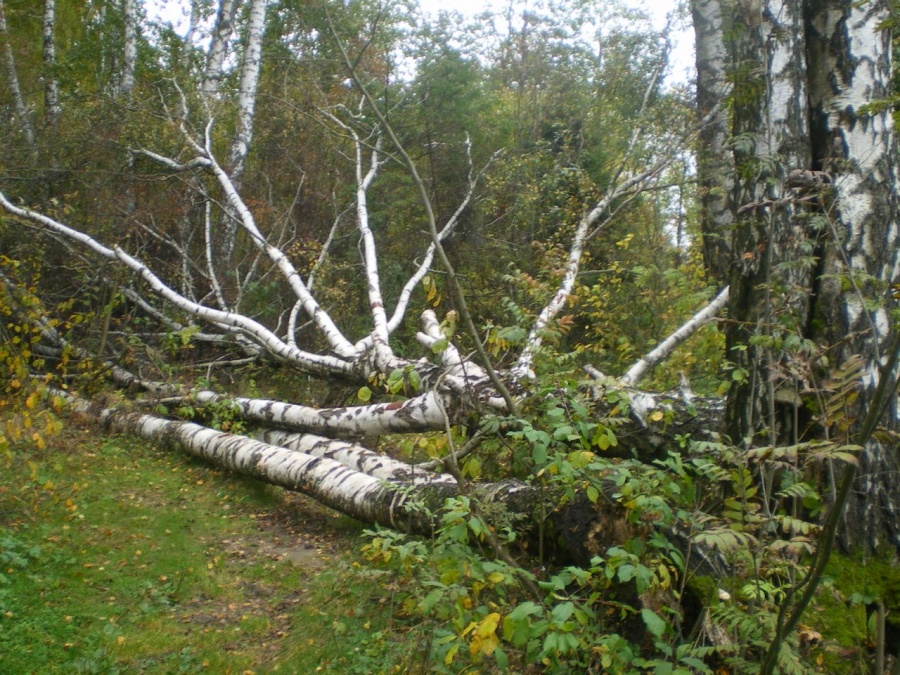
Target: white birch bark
<point>211,272</point>
<point>129,55</point>
<point>252,329</point>
<point>250,67</point>
<point>12,76</point>
<point>355,457</point>
<point>336,339</point>
<point>590,221</point>
<point>218,49</point>
<point>405,500</point>
<point>714,156</point>
<point>364,179</point>
<point>51,85</point>
<point>416,414</point>
<point>771,139</point>
<point>357,494</point>
<point>852,57</point>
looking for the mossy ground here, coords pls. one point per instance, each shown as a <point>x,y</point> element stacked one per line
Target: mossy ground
<point>842,612</point>
<point>116,557</point>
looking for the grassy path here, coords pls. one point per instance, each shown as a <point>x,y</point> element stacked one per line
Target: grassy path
<point>116,557</point>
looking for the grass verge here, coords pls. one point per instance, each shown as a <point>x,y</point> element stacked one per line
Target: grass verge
<point>116,557</point>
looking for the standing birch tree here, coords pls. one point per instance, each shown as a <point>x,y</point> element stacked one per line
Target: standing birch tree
<point>812,224</point>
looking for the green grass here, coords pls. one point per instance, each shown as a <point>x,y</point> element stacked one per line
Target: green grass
<point>118,557</point>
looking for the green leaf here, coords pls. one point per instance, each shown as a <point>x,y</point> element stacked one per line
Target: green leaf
<point>364,394</point>
<point>626,573</point>
<point>655,624</point>
<point>395,381</point>
<point>523,610</point>
<point>562,612</point>
<point>512,334</point>
<point>431,600</point>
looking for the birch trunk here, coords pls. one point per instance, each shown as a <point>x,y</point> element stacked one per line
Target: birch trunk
<point>850,66</point>
<point>129,60</point>
<point>356,482</point>
<point>218,49</point>
<point>816,239</point>
<point>240,145</point>
<point>771,138</point>
<point>51,86</point>
<point>12,76</point>
<point>714,157</point>
<point>250,68</point>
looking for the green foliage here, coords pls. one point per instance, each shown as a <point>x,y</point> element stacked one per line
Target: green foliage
<point>625,612</point>
<point>477,609</point>
<point>222,415</point>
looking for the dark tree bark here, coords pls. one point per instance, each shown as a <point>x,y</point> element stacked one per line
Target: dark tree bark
<point>814,246</point>
<point>713,154</point>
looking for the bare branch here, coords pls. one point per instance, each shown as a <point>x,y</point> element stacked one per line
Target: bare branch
<point>249,327</point>
<point>459,297</point>
<point>667,346</point>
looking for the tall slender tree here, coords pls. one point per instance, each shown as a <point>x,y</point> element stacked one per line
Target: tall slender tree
<point>51,82</point>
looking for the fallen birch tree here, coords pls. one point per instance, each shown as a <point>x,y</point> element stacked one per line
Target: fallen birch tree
<point>197,292</point>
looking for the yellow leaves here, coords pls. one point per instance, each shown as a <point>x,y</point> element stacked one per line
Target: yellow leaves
<point>451,654</point>
<point>496,577</point>
<point>624,243</point>
<point>657,416</point>
<point>581,458</point>
<point>432,294</point>
<point>484,635</point>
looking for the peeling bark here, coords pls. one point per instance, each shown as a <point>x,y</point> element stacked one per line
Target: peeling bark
<point>850,66</point>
